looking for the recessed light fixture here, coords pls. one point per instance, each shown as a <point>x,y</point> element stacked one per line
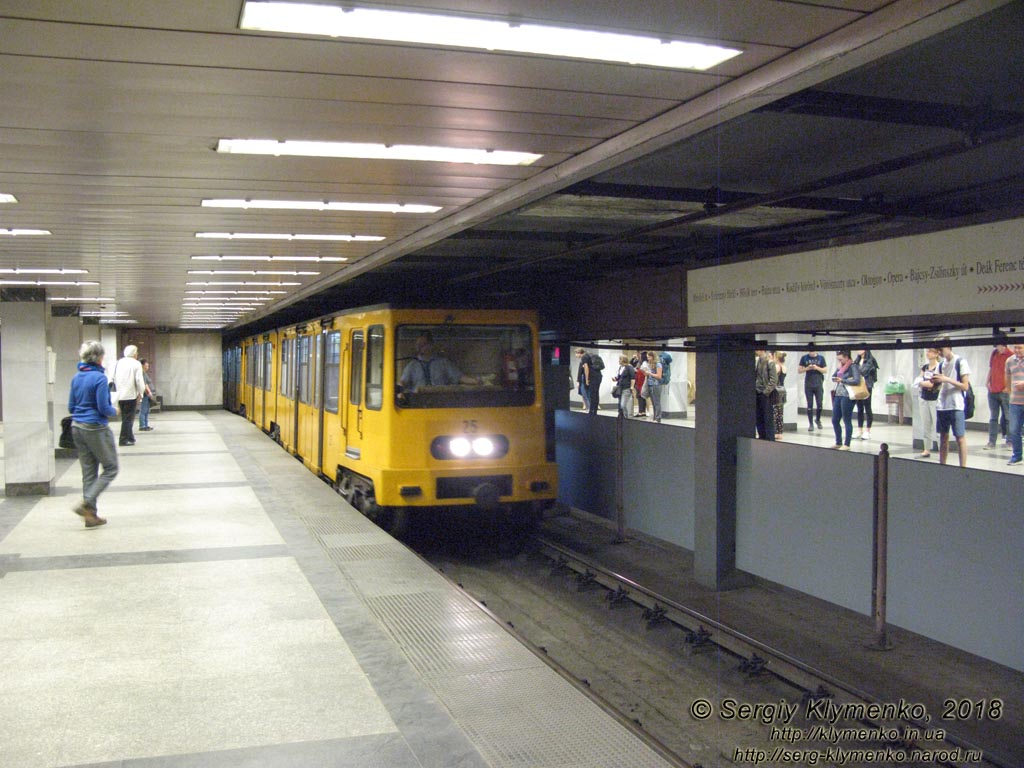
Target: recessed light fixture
<point>279,259</point>
<point>480,33</point>
<point>249,282</point>
<point>5,198</point>
<point>284,236</point>
<point>323,205</point>
<point>82,299</point>
<point>47,282</point>
<point>24,232</point>
<point>236,293</point>
<point>285,272</point>
<point>352,150</point>
<point>30,271</point>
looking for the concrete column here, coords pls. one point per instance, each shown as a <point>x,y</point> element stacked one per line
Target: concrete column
<point>27,370</point>
<point>65,339</point>
<point>725,412</point>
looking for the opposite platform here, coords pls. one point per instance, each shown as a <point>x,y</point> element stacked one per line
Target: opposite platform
<point>235,611</point>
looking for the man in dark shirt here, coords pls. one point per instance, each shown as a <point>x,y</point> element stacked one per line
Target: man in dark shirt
<point>813,366</point>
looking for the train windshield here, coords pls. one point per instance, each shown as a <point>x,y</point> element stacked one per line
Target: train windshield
<point>464,366</point>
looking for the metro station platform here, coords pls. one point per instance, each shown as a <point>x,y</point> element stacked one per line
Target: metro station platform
<point>236,612</point>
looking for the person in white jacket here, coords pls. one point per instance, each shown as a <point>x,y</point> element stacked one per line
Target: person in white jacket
<point>129,387</point>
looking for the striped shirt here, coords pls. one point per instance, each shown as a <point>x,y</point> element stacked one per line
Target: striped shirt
<point>1015,376</point>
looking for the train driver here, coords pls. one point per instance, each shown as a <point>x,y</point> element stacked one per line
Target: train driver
<point>428,370</point>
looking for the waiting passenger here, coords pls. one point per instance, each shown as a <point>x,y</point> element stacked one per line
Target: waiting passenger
<point>845,375</point>
<point>766,379</point>
<point>1015,383</point>
<point>779,398</point>
<point>583,377</point>
<point>427,370</point>
<point>868,367</point>
<point>655,374</point>
<point>813,365</point>
<point>955,377</point>
<point>929,396</point>
<point>624,382</point>
<point>639,364</point>
<point>998,396</point>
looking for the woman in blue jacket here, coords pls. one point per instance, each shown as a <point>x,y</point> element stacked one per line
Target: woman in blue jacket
<point>90,409</point>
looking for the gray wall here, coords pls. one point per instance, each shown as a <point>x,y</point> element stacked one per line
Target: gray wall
<point>658,471</point>
<point>804,520</point>
<point>190,369</point>
<point>956,557</point>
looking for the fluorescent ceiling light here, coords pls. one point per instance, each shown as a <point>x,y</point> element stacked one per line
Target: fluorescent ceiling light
<point>5,198</point>
<point>282,236</point>
<point>322,205</point>
<point>21,271</point>
<point>286,272</point>
<point>104,313</point>
<point>481,34</point>
<point>46,282</point>
<point>236,293</point>
<point>375,151</point>
<point>118,322</point>
<point>81,299</point>
<point>24,232</point>
<point>249,282</point>
<point>314,259</point>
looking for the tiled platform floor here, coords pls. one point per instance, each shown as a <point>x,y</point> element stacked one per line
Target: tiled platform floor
<point>235,612</point>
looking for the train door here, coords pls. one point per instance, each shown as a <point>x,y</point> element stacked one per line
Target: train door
<point>269,384</point>
<point>286,410</point>
<point>309,362</point>
<point>331,436</point>
<point>352,412</point>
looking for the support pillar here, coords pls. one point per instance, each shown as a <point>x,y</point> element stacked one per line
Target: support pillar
<point>26,366</point>
<point>65,340</point>
<point>725,412</point>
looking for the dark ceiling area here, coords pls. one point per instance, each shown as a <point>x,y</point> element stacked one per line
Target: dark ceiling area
<point>923,139</point>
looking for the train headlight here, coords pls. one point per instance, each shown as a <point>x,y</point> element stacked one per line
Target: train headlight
<point>462,447</point>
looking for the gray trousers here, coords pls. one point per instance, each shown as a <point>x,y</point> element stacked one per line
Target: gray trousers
<point>95,444</point>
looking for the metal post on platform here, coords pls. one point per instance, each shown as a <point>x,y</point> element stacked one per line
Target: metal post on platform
<point>881,542</point>
<point>620,513</point>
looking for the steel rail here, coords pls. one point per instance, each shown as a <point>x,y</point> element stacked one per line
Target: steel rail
<point>782,665</point>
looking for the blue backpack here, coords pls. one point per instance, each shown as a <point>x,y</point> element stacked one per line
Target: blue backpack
<point>666,367</point>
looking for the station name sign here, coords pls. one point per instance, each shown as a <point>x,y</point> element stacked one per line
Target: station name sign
<point>972,269</point>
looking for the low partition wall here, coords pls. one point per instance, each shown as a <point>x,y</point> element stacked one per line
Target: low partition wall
<point>657,469</point>
<point>805,517</point>
<point>956,557</point>
<point>955,541</point>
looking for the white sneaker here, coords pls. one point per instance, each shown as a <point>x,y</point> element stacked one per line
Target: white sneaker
<point>859,435</point>
<point>865,435</point>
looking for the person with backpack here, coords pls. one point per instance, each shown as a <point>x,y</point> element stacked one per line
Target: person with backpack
<point>955,396</point>
<point>595,365</point>
<point>656,381</point>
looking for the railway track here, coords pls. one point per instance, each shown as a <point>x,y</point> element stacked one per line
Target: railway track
<point>767,707</point>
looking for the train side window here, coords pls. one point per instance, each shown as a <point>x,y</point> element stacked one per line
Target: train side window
<point>303,358</point>
<point>332,371</point>
<point>268,365</point>
<point>257,365</point>
<point>355,393</point>
<point>318,368</point>
<point>375,368</point>
<point>286,368</point>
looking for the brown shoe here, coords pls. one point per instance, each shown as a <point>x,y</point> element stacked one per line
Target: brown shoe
<point>94,520</point>
<point>84,509</point>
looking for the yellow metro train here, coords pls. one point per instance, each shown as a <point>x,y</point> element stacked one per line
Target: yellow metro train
<point>406,409</point>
